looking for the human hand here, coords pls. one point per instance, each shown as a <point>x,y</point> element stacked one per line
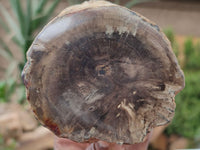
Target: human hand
<point>66,144</point>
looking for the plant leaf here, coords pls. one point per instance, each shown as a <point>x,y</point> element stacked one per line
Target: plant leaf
<point>11,86</point>
<point>40,20</point>
<point>18,11</point>
<point>11,68</point>
<point>4,26</point>
<point>15,39</point>
<point>117,1</point>
<point>28,18</point>
<point>2,91</point>
<point>12,25</point>
<point>40,7</point>
<point>28,22</point>
<point>4,54</point>
<point>73,2</point>
<point>131,3</point>
<point>6,48</point>
<point>21,94</point>
<point>52,8</point>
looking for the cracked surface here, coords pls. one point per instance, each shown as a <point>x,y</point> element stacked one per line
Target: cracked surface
<point>101,71</point>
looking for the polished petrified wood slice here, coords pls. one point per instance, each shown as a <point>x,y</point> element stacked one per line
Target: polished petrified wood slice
<point>101,71</point>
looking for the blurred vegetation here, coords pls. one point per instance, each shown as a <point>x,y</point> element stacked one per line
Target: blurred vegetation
<point>6,89</point>
<point>73,2</point>
<point>128,3</point>
<point>28,20</point>
<point>170,35</point>
<point>7,146</point>
<point>187,116</point>
<point>192,55</point>
<point>21,27</point>
<point>187,121</point>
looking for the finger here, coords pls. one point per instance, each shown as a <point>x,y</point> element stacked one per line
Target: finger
<point>65,144</point>
<point>140,146</point>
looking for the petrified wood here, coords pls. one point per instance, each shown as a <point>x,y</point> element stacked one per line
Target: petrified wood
<point>102,71</point>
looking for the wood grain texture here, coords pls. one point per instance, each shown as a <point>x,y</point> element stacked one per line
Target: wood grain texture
<point>101,71</point>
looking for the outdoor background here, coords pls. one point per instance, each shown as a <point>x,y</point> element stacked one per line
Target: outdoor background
<point>21,20</point>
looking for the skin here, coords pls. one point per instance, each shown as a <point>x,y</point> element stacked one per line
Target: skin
<point>66,144</point>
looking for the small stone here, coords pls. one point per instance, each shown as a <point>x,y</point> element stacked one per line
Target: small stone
<point>180,143</point>
<point>157,132</point>
<point>160,143</point>
<point>39,139</point>
<point>27,120</point>
<point>10,126</point>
